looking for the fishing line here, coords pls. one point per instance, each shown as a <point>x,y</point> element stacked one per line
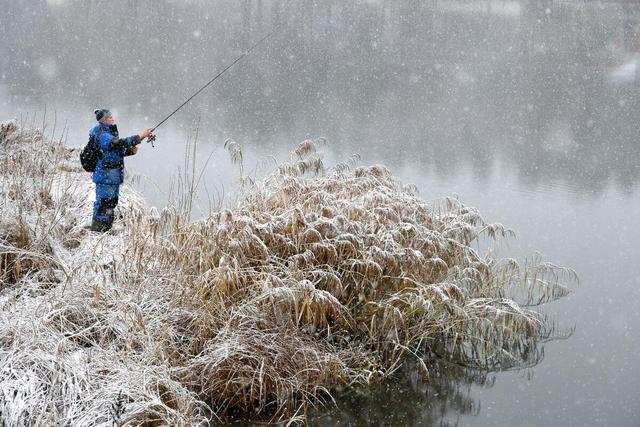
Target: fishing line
<point>238,59</point>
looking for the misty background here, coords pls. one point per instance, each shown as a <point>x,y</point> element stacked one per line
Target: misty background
<point>525,109</point>
<point>540,85</point>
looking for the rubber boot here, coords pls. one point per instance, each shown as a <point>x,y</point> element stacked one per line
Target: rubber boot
<point>100,226</point>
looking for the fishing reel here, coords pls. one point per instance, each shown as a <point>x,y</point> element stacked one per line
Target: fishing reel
<point>151,139</point>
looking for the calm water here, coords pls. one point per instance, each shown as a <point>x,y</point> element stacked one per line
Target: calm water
<point>527,110</point>
<point>590,378</point>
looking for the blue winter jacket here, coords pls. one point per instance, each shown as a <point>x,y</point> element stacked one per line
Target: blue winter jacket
<point>110,167</point>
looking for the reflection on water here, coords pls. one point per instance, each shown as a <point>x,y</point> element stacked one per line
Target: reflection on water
<point>448,392</point>
<point>409,400</point>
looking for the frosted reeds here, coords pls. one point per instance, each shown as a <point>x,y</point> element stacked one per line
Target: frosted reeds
<point>319,278</point>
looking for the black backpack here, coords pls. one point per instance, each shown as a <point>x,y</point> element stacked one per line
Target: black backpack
<point>90,154</point>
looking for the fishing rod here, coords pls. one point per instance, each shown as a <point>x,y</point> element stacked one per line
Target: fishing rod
<point>152,138</point>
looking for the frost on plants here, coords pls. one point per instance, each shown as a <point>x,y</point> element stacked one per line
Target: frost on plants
<point>319,278</point>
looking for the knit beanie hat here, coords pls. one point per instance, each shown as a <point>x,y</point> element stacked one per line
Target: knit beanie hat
<point>102,114</point>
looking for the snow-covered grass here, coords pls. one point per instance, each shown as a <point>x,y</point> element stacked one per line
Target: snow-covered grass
<point>318,279</point>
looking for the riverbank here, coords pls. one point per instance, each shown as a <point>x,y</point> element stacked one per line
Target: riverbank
<point>318,279</point>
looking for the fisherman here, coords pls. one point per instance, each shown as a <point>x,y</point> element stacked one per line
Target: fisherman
<point>109,171</point>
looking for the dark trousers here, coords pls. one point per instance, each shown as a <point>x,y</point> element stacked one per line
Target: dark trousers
<point>105,204</point>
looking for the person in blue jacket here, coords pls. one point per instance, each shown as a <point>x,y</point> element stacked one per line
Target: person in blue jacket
<point>109,171</point>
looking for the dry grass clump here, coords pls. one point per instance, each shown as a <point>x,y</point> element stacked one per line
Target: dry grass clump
<point>357,262</point>
<point>39,212</point>
<point>316,280</point>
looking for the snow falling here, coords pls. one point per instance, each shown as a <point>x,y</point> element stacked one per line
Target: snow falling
<point>525,110</point>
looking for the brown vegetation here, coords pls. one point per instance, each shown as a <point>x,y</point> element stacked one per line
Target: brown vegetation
<point>317,279</point>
